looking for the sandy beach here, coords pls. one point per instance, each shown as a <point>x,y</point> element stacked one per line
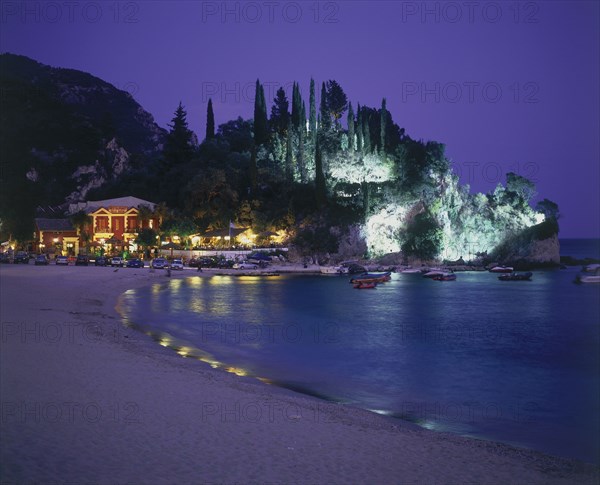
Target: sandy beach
<point>86,400</point>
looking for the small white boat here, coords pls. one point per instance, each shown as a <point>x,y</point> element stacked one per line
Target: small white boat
<point>411,271</point>
<point>592,268</point>
<point>331,270</point>
<point>587,279</point>
<point>433,272</point>
<point>502,269</point>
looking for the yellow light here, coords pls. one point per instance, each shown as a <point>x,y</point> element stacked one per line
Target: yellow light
<point>237,371</point>
<point>55,240</point>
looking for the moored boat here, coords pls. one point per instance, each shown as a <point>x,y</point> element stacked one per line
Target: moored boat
<point>331,270</point>
<point>411,271</point>
<point>434,272</point>
<point>364,285</point>
<point>516,277</point>
<point>372,278</point>
<point>587,279</point>
<point>502,269</point>
<point>445,277</point>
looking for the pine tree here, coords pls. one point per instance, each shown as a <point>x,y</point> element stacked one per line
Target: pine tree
<point>280,115</point>
<point>350,128</point>
<point>210,121</point>
<point>383,125</point>
<point>321,194</point>
<point>261,127</point>
<point>359,129</point>
<point>312,122</point>
<point>178,145</point>
<point>325,124</point>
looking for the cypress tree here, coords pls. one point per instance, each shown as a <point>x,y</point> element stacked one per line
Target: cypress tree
<point>383,123</point>
<point>261,127</point>
<point>210,121</point>
<point>312,122</point>
<point>366,132</point>
<point>324,111</point>
<point>296,106</point>
<point>289,171</point>
<point>350,128</point>
<point>321,194</point>
<point>359,129</point>
<point>303,118</point>
<point>263,111</point>
<point>300,161</point>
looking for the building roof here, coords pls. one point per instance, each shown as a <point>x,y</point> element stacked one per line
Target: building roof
<point>94,205</point>
<point>57,225</point>
<point>48,211</point>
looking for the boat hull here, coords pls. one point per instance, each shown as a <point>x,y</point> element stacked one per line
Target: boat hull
<point>365,286</point>
<point>516,277</point>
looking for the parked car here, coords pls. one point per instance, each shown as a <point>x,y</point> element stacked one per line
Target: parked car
<point>177,264</point>
<point>41,260</point>
<point>117,261</point>
<point>82,260</point>
<point>159,263</point>
<point>62,260</point>
<point>100,261</point>
<point>225,263</point>
<point>21,257</point>
<point>245,265</point>
<point>135,263</point>
<point>5,258</point>
<point>204,262</point>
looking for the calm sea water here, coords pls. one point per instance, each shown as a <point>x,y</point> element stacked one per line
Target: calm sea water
<point>580,248</point>
<point>516,362</point>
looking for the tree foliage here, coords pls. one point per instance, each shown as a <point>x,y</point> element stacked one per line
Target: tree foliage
<point>280,115</point>
<point>261,125</point>
<point>423,237</point>
<point>210,120</point>
<point>178,146</point>
<point>336,100</point>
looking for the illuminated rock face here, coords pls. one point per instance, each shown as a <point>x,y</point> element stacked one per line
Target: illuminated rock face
<point>382,231</point>
<point>472,224</point>
<point>357,168</point>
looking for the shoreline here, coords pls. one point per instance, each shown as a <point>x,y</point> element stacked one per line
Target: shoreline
<point>141,413</point>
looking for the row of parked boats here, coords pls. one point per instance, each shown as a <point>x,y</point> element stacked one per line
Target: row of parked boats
<point>367,280</point>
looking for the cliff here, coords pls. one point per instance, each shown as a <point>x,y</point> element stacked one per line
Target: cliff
<point>537,245</point>
<point>63,132</point>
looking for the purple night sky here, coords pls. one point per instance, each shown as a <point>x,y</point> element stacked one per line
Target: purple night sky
<point>507,86</point>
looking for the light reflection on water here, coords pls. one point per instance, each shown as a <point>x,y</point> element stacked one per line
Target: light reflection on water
<point>515,362</point>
